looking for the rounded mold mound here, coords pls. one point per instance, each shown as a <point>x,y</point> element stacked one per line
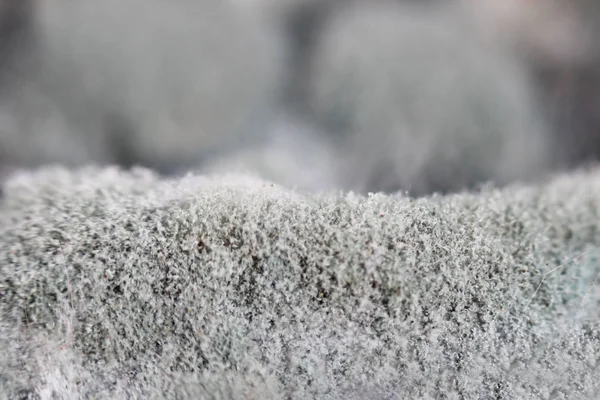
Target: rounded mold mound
<point>163,84</point>
<point>420,102</point>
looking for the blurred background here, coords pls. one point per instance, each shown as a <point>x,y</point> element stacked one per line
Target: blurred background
<point>416,96</point>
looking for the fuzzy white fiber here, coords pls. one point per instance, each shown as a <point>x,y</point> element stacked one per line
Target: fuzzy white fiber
<point>118,285</point>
